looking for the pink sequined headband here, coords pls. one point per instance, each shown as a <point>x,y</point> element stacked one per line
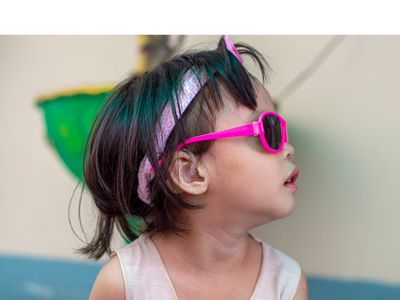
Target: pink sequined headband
<point>191,85</point>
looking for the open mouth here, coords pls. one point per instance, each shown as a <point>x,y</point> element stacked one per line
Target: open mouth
<point>293,177</point>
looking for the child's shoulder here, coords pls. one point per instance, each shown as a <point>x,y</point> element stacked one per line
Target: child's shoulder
<point>109,283</point>
<point>283,273</point>
<point>291,273</point>
<point>283,261</point>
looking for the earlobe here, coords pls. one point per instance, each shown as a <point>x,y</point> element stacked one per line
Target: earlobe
<point>188,174</point>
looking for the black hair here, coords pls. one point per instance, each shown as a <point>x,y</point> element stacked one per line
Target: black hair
<point>123,132</point>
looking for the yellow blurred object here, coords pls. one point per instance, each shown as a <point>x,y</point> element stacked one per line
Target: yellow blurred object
<point>143,62</point>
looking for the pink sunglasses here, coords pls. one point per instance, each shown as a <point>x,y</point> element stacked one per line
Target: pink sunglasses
<point>270,128</point>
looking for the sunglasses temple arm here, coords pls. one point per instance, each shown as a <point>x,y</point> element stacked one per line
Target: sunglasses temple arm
<point>244,130</point>
<point>249,129</point>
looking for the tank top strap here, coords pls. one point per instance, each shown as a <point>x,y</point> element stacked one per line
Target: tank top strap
<point>144,274</point>
<point>279,275</point>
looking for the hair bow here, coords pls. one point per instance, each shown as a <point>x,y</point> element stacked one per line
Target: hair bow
<point>231,47</point>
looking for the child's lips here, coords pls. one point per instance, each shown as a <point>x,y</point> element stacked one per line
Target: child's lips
<point>293,176</point>
<point>291,180</point>
<point>291,186</point>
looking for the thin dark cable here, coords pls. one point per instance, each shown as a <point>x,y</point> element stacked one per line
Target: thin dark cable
<point>80,217</point>
<point>309,70</point>
<point>69,216</point>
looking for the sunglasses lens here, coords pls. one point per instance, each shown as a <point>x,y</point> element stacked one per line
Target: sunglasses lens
<point>273,131</point>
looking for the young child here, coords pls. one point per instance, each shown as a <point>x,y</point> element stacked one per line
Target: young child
<point>195,149</point>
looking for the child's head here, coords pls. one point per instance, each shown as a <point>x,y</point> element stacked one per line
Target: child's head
<point>235,178</point>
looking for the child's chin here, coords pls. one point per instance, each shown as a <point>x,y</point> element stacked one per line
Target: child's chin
<point>290,208</point>
<point>284,210</point>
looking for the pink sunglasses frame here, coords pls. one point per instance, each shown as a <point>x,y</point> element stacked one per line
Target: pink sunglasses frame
<point>250,129</point>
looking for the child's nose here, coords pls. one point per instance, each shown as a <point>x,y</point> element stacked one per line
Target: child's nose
<point>288,151</point>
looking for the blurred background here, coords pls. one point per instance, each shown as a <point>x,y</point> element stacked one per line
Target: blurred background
<point>338,93</point>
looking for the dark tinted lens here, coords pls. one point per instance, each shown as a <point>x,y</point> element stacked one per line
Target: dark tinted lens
<point>273,131</point>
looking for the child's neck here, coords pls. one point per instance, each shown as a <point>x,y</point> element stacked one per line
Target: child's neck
<point>208,252</point>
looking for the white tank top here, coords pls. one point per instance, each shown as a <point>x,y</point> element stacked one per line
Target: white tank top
<point>146,278</point>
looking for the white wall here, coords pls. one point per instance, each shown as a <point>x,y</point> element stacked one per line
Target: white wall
<point>346,217</point>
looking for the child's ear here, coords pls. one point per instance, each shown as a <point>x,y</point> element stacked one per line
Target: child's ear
<point>188,174</point>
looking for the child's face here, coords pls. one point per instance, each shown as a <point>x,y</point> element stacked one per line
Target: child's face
<point>246,181</point>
